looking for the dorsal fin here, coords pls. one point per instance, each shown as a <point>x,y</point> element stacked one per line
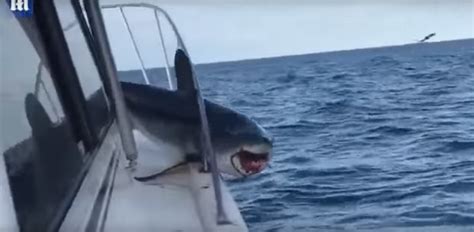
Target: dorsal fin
<point>184,72</point>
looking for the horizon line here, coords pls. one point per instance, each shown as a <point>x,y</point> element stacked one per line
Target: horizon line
<point>324,52</point>
<point>305,54</point>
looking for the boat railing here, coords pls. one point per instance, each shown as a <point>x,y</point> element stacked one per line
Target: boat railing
<point>208,153</point>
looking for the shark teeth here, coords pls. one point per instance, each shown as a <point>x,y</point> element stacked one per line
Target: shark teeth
<point>251,159</point>
<point>251,163</point>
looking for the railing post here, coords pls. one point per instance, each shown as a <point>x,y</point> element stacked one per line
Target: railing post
<point>167,63</point>
<point>142,65</point>
<point>205,135</point>
<point>209,154</point>
<point>99,33</point>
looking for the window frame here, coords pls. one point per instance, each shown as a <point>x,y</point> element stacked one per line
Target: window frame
<point>45,33</point>
<point>63,73</point>
<point>92,46</point>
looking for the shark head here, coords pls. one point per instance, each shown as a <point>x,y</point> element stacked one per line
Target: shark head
<point>242,146</point>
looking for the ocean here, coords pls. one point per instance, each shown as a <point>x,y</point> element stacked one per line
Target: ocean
<point>370,139</point>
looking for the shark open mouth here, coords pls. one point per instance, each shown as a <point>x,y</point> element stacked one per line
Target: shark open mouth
<point>250,163</point>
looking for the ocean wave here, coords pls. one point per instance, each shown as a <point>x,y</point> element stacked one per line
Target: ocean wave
<point>341,104</point>
<point>358,218</point>
<point>456,146</point>
<point>340,76</point>
<point>461,186</point>
<point>391,130</point>
<point>299,124</point>
<point>426,216</point>
<point>297,160</point>
<point>435,75</point>
<point>383,61</point>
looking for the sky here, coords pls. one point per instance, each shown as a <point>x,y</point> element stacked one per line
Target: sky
<point>214,31</point>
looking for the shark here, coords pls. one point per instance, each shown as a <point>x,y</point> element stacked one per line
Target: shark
<point>242,147</point>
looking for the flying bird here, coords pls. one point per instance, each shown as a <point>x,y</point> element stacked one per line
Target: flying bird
<point>427,37</point>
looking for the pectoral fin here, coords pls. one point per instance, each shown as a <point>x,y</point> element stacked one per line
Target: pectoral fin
<point>168,171</point>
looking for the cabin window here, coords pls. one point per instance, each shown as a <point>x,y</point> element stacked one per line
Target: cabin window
<point>42,155</point>
<point>142,40</point>
<point>86,68</point>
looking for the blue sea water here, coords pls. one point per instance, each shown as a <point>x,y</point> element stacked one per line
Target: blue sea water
<point>366,139</point>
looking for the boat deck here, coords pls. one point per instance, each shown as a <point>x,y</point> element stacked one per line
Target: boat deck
<point>180,200</point>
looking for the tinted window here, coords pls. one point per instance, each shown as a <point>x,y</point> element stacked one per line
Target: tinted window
<point>42,156</point>
<point>85,66</point>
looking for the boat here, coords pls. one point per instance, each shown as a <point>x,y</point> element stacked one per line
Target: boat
<point>70,163</point>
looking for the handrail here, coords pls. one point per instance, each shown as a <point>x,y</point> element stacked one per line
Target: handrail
<point>209,155</point>
<point>142,65</point>
<point>100,35</point>
<point>168,73</point>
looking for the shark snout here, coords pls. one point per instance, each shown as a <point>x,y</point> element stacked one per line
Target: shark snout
<point>265,136</point>
<point>268,139</point>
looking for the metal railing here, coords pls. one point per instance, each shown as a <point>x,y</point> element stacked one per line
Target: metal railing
<point>99,33</point>
<point>208,152</point>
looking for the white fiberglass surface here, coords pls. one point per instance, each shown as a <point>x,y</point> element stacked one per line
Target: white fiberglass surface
<point>180,200</point>
<point>165,206</point>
